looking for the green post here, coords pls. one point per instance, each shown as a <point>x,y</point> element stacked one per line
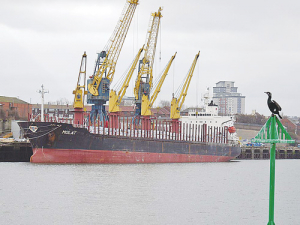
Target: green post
<point>272,171</point>
<point>272,132</point>
<point>272,184</point>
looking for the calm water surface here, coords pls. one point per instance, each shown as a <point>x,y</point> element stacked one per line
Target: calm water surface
<point>200,193</point>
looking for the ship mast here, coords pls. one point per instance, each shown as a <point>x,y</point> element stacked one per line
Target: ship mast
<point>42,92</point>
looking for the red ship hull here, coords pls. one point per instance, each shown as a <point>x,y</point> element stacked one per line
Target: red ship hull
<point>45,155</point>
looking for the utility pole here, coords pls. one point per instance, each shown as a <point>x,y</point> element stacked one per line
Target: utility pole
<point>42,92</point>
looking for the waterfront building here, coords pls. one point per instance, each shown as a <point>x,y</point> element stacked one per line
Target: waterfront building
<point>54,111</point>
<point>291,125</point>
<point>65,111</point>
<point>230,102</point>
<point>12,108</point>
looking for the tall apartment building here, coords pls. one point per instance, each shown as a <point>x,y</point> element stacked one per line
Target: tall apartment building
<point>230,102</point>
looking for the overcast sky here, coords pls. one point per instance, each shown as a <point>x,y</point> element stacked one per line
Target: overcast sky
<point>253,43</point>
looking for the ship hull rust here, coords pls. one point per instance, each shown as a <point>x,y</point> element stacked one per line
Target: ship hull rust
<point>42,155</point>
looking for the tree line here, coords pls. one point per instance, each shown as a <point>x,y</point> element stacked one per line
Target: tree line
<point>251,119</point>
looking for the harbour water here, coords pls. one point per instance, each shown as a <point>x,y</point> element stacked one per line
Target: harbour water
<point>189,193</point>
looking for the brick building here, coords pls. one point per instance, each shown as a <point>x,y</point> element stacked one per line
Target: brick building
<point>60,112</point>
<point>290,125</point>
<point>161,112</point>
<point>53,111</point>
<point>14,108</point>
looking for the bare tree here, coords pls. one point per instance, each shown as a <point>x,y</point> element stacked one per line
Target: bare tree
<point>2,114</point>
<point>63,101</point>
<point>251,119</point>
<point>164,103</point>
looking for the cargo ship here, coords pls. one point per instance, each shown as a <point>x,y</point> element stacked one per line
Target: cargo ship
<point>192,141</point>
<point>127,140</point>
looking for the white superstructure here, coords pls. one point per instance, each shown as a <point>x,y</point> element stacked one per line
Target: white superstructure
<point>209,115</point>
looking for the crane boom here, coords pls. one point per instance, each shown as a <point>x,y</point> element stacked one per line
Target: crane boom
<point>99,83</point>
<point>113,48</point>
<point>80,91</point>
<point>176,104</point>
<point>146,103</point>
<point>143,82</point>
<point>114,98</point>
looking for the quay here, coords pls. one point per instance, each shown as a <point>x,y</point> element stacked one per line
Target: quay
<point>263,152</point>
<point>13,151</point>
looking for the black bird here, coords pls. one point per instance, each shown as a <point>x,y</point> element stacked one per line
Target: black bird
<point>273,105</point>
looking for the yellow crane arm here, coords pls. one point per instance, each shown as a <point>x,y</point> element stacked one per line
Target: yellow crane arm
<point>114,98</point>
<point>176,104</point>
<point>138,80</point>
<point>149,54</point>
<point>113,48</point>
<point>146,103</point>
<point>80,91</point>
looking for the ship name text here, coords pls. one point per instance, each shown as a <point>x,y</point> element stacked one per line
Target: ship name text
<point>69,132</point>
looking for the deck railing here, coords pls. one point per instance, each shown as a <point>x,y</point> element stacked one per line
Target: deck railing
<point>156,129</point>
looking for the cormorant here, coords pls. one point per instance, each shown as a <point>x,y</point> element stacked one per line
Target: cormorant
<point>273,105</point>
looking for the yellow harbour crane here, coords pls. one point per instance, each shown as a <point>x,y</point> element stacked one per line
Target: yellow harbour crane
<point>146,103</point>
<point>177,103</point>
<point>114,98</point>
<point>143,82</point>
<point>80,91</point>
<point>98,85</point>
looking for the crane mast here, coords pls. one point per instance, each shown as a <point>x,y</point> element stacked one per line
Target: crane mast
<point>177,103</point>
<point>99,83</point>
<point>80,91</point>
<point>143,82</point>
<point>146,103</point>
<point>114,98</point>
